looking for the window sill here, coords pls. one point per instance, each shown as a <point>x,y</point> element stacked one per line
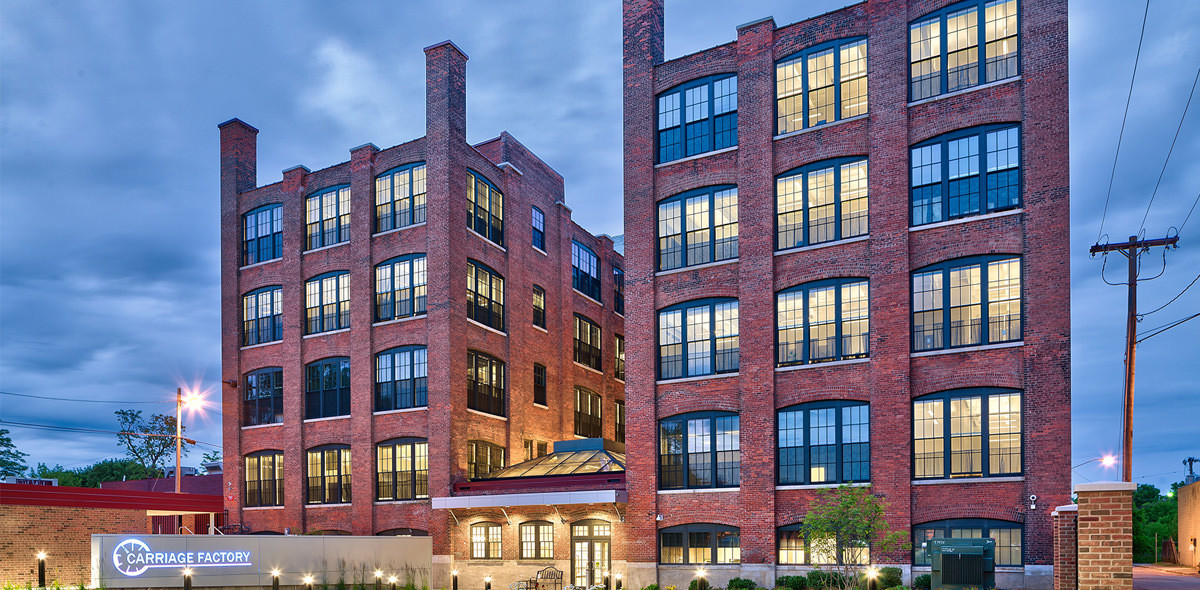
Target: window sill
<point>539,251</point>
<point>953,480</point>
<point>241,268</point>
<point>399,229</point>
<point>487,415</point>
<point>399,320</point>
<point>261,344</point>
<point>662,273</point>
<point>586,296</point>
<point>967,349</point>
<point>820,126</point>
<point>822,486</point>
<point>326,247</point>
<point>539,328</point>
<point>413,501</point>
<point>400,411</point>
<point>790,368</point>
<point>620,380</point>
<point>257,426</point>
<point>583,366</point>
<point>338,331</point>
<point>822,245</point>
<point>542,406</point>
<point>248,508</point>
<point>962,220</point>
<point>697,156</point>
<point>487,327</point>
<point>1016,78</point>
<point>699,491</point>
<point>488,240</point>
<point>327,418</point>
<point>339,504</point>
<point>698,378</point>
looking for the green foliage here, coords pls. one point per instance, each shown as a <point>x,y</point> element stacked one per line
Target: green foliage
<point>741,584</point>
<point>700,584</point>
<point>650,587</point>
<point>1153,513</point>
<point>922,582</point>
<point>820,580</point>
<point>12,461</point>
<point>855,518</point>
<point>149,451</point>
<point>900,587</point>
<point>889,577</point>
<point>791,582</point>
<point>93,475</point>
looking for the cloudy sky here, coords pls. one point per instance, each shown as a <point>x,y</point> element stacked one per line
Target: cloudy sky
<point>109,177</point>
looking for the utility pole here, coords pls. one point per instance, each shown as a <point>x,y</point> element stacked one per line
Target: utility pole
<point>178,433</point>
<point>1131,249</point>
<point>1190,461</point>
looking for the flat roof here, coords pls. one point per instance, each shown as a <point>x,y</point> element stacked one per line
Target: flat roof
<point>153,503</point>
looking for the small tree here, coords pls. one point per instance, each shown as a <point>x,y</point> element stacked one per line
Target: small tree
<point>847,524</point>
<point>12,461</point>
<point>148,451</point>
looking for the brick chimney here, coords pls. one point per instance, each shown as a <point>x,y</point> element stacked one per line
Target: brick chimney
<point>445,92</point>
<point>239,157</point>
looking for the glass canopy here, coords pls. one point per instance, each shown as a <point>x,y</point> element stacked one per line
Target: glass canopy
<point>573,462</point>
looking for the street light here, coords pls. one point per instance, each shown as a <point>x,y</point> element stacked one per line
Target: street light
<point>193,402</point>
<point>41,557</point>
<point>1108,461</point>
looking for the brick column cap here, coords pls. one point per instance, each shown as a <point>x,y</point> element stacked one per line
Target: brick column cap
<point>448,43</point>
<point>239,122</point>
<point>765,19</point>
<point>1067,508</point>
<point>1106,486</point>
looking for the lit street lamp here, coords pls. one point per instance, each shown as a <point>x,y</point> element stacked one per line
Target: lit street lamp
<point>193,402</point>
<point>41,557</point>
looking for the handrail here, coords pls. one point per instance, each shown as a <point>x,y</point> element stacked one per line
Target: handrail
<point>184,528</point>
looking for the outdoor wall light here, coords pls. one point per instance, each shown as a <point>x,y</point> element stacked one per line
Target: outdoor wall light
<point>453,579</point>
<point>41,557</point>
<point>187,578</point>
<point>487,583</point>
<point>618,577</point>
<point>275,579</point>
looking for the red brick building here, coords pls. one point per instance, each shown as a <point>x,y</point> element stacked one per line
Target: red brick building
<point>410,319</point>
<point>846,241</point>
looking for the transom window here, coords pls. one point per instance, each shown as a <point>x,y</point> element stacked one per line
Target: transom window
<point>485,208</point>
<point>698,338</point>
<point>824,442</point>
<point>618,290</point>
<point>402,469</point>
<point>327,302</point>
<point>264,397</point>
<point>485,383</point>
<point>966,173</point>
<point>619,419</point>
<point>262,316</point>
<point>539,306</point>
<point>264,479</point>
<point>485,295</point>
<point>699,543</point>
<point>539,384</point>
<point>823,84</point>
<point>619,364</point>
<point>327,388</point>
<point>587,342</point>
<point>799,548</point>
<point>588,420</point>
<point>539,229</point>
<point>944,47</point>
<point>976,293</point>
<point>699,450</point>
<point>697,117</point>
<point>328,475</point>
<point>401,378</point>
<point>822,321</point>
<point>537,540</point>
<point>585,270</point>
<point>485,541</point>
<point>262,236</point>
<point>1006,534</point>
<point>981,428</point>
<point>698,227</point>
<point>328,218</point>
<point>400,197</point>
<point>821,203</point>
<point>400,287</point>
<point>483,458</point>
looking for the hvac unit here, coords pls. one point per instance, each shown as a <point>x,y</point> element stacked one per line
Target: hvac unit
<point>962,563</point>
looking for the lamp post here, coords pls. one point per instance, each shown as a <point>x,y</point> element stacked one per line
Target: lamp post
<point>872,574</point>
<point>487,583</point>
<point>453,579</point>
<point>275,579</point>
<point>308,581</point>
<point>392,581</point>
<point>378,579</point>
<point>701,583</point>
<point>187,578</point>
<point>618,577</point>
<point>41,558</point>
<point>606,581</point>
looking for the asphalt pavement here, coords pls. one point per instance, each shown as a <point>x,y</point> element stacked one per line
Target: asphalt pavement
<point>1157,578</point>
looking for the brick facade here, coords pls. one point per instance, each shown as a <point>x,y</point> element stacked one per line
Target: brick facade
<point>1066,539</point>
<point>1105,533</point>
<point>64,533</point>
<point>1038,365</point>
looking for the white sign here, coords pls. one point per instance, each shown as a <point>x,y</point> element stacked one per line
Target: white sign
<point>133,557</point>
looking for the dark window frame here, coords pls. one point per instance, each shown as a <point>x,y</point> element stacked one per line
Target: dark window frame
<point>984,393</point>
<point>538,223</point>
<point>392,302</point>
<point>805,342</point>
<point>486,220</point>
<point>619,420</point>
<point>492,450</point>
<point>539,311</point>
<point>943,54</point>
<point>253,411</point>
<point>704,135</point>
<point>987,525</point>
<point>713,353</point>
<point>401,211</point>
<point>327,316</point>
<point>491,312</point>
<point>263,329</point>
<point>619,357</point>
<point>589,421</point>
<point>588,353</point>
<point>840,460</point>
<point>839,216</point>
<point>258,494</point>
<point>538,542</point>
<point>486,397</point>
<point>712,241</point>
<point>392,393</point>
<point>618,290</point>
<point>539,384</point>
<point>945,268</point>
<point>321,482</point>
<point>731,478</point>
<point>942,188</point>
<point>262,247</point>
<point>417,479</point>
<point>685,532</point>
<point>839,551</point>
<point>805,77</point>
<point>323,232</point>
<point>489,551</point>
<point>583,280</point>
<point>316,402</point>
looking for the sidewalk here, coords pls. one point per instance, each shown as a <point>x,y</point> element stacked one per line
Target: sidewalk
<point>1169,568</point>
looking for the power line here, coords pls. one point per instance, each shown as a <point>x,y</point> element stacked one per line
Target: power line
<point>55,428</point>
<point>1189,215</point>
<point>1142,315</point>
<point>1168,326</point>
<point>71,399</point>
<point>1172,149</point>
<point>1124,117</point>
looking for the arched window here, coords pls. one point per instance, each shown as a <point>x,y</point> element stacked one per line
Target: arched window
<point>824,442</point>
<point>967,433</point>
<point>485,295</point>
<point>699,450</point>
<point>263,391</point>
<point>327,219</point>
<point>539,229</point>
<point>404,532</point>
<point>585,270</point>
<point>537,540</point>
<point>485,383</point>
<point>822,321</point>
<point>485,541</point>
<point>587,342</point>
<point>697,117</point>
<point>698,227</point>
<point>588,419</point>
<point>698,338</point>
<point>795,547</point>
<point>821,202</point>
<point>262,235</point>
<point>328,475</point>
<point>262,316</point>
<point>400,288</point>
<point>944,47</point>
<point>485,206</point>
<point>1008,536</point>
<point>327,388</point>
<point>401,378</point>
<point>327,302</point>
<point>822,84</point>
<point>964,173</point>
<point>402,469</point>
<point>264,479</point>
<point>974,293</point>
<point>400,197</point>
<point>483,458</point>
<point>699,544</point>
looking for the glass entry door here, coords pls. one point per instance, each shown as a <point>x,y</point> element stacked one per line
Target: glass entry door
<point>590,557</point>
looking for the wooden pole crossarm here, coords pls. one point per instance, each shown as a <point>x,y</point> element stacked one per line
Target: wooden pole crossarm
<point>1134,243</point>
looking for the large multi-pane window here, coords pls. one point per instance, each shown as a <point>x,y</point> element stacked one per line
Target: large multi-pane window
<point>821,203</point>
<point>485,540</point>
<point>587,342</point>
<point>966,173</point>
<point>945,47</point>
<point>327,388</point>
<point>699,450</point>
<point>588,419</point>
<point>485,208</point>
<point>539,229</point>
<point>796,547</point>
<point>483,458</point>
<point>967,433</point>
<point>328,475</point>
<point>262,316</point>
<point>401,378</point>
<point>327,302</point>
<point>823,84</point>
<point>539,306</point>
<point>1006,534</point>
<point>539,384</point>
<point>698,338</point>
<point>402,469</point>
<point>485,295</point>
<point>485,383</point>
<point>619,360</point>
<point>400,286</point>
<point>327,221</point>
<point>618,290</point>
<point>585,270</point>
<point>824,442</point>
<point>822,321</point>
<point>967,302</point>
<point>698,227</point>
<point>263,397</point>
<point>264,479</point>
<point>400,197</point>
<point>619,419</point>
<point>699,544</point>
<point>262,236</point>
<point>697,117</point>
<point>537,540</point>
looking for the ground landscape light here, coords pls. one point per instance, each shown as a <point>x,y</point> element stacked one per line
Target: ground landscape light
<point>378,574</point>
<point>41,555</point>
<point>275,573</point>
<point>392,579</point>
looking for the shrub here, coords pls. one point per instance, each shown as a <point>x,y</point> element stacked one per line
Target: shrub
<point>890,577</point>
<point>818,580</point>
<point>899,588</point>
<point>791,582</point>
<point>922,582</point>
<point>700,584</point>
<point>650,587</point>
<point>741,584</point>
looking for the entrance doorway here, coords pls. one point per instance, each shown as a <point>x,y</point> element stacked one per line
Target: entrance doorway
<point>590,556</point>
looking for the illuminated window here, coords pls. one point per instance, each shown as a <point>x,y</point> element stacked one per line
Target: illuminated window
<point>485,295</point>
<point>981,296</point>
<point>328,475</point>
<point>823,84</point>
<point>485,383</point>
<point>697,117</point>
<point>262,316</point>
<point>401,378</point>
<point>263,397</point>
<point>400,288</point>
<point>588,420</point>
<point>698,227</point>
<point>699,450</point>
<point>328,218</point>
<point>698,338</point>
<point>585,270</point>
<point>539,306</point>
<point>264,479</point>
<point>1006,534</point>
<point>485,208</point>
<point>619,364</point>
<point>699,544</point>
<point>587,342</point>
<point>966,173</point>
<point>327,388</point>
<point>539,384</point>
<point>967,433</point>
<point>483,458</point>
<point>402,469</point>
<point>821,203</point>
<point>795,547</point>
<point>327,302</point>
<point>400,197</point>
<point>485,541</point>
<point>537,540</point>
<point>944,47</point>
<point>262,234</point>
<point>539,229</point>
<point>822,321</point>
<point>824,442</point>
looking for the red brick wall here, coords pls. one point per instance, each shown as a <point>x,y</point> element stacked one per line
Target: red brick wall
<point>1105,532</point>
<point>1066,530</point>
<point>64,533</point>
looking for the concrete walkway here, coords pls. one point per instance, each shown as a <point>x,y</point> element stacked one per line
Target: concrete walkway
<point>1164,577</point>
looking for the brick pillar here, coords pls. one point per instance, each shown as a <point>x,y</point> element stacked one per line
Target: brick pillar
<point>1066,527</point>
<point>1105,535</point>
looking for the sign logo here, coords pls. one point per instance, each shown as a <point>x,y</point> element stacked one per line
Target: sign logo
<point>132,557</point>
